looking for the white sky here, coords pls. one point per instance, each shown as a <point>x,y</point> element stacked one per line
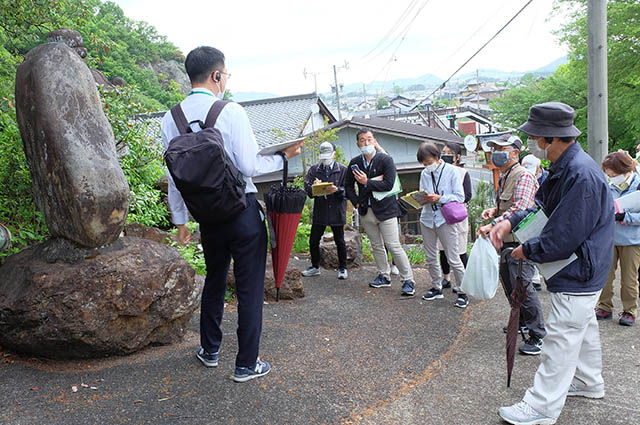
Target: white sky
<point>268,44</point>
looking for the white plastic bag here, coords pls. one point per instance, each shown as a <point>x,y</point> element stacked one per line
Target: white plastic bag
<point>481,277</point>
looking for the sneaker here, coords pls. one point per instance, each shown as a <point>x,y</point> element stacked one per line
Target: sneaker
<point>626,319</point>
<point>342,274</point>
<point>433,294</point>
<point>462,301</point>
<point>523,414</point>
<point>408,288</point>
<point>603,314</point>
<point>207,359</point>
<point>380,282</point>
<point>522,330</point>
<point>446,283</point>
<point>244,374</point>
<point>311,271</point>
<point>575,391</point>
<point>394,270</point>
<point>532,346</point>
<point>537,286</point>
<point>456,290</point>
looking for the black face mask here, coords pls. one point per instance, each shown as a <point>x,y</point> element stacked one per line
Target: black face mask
<point>447,158</point>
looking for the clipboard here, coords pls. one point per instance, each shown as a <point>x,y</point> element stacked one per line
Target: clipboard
<point>530,227</point>
<point>321,189</point>
<point>414,198</point>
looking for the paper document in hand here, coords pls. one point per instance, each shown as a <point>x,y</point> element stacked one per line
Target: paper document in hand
<point>530,227</point>
<point>397,188</point>
<point>414,199</point>
<point>320,189</point>
<point>629,202</point>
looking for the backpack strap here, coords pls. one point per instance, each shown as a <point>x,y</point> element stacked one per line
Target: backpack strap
<point>179,119</point>
<point>214,112</point>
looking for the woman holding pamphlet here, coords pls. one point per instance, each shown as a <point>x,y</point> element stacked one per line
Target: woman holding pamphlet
<point>619,167</point>
<point>440,184</point>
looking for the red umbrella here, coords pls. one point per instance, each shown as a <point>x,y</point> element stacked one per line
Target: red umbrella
<point>517,297</point>
<point>284,207</point>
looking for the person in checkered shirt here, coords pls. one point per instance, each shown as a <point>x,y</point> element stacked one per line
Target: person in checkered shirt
<point>517,190</point>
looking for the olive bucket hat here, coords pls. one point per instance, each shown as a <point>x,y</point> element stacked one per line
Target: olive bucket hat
<point>551,119</point>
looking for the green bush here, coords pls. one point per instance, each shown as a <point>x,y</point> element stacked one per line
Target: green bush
<point>143,165</point>
<point>482,199</point>
<point>416,255</point>
<point>301,242</point>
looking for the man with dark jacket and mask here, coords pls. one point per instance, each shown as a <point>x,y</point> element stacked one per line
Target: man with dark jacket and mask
<point>328,210</point>
<point>516,192</point>
<point>577,201</point>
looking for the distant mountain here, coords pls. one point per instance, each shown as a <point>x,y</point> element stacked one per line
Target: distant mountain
<point>431,81</point>
<point>245,96</point>
<point>427,80</point>
<point>551,68</point>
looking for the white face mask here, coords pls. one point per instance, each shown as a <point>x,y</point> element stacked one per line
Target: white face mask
<point>618,180</point>
<point>535,149</point>
<point>327,162</point>
<point>431,168</point>
<point>367,150</point>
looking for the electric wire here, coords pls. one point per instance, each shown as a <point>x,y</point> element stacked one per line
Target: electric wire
<point>474,55</point>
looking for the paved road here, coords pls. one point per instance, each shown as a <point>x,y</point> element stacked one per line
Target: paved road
<point>345,354</point>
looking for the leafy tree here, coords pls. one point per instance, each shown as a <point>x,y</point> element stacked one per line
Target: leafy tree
<point>398,89</point>
<point>382,103</point>
<point>569,83</point>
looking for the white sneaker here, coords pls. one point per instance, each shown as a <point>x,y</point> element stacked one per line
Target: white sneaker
<point>394,270</point>
<point>342,274</point>
<point>311,271</point>
<point>575,391</point>
<point>523,414</point>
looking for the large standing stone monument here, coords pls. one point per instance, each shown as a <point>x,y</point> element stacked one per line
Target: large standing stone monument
<point>87,291</point>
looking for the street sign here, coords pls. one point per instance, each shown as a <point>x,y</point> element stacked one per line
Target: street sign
<point>470,143</point>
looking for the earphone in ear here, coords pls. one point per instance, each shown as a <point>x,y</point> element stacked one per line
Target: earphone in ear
<point>217,76</point>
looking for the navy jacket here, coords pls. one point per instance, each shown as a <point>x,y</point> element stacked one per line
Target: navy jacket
<point>577,199</point>
<point>381,165</point>
<point>329,210</point>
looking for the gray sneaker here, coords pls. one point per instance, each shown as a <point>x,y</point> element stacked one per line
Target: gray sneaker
<point>575,391</point>
<point>523,414</point>
<point>311,271</point>
<point>342,274</point>
<point>532,346</point>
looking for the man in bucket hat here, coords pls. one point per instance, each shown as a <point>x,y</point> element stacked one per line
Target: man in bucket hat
<point>578,202</point>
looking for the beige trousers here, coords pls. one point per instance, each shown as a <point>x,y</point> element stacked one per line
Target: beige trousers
<point>629,257</point>
<point>385,233</point>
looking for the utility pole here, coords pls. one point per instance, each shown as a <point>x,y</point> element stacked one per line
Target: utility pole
<point>598,124</point>
<point>478,90</point>
<point>335,80</point>
<point>364,94</point>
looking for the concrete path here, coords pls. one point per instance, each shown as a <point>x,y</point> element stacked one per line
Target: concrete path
<point>346,354</point>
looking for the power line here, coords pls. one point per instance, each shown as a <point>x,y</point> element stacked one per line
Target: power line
<point>474,55</point>
<point>404,14</point>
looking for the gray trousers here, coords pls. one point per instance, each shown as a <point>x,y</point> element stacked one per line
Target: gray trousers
<point>531,311</point>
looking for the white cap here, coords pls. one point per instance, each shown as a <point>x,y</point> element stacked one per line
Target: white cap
<point>531,163</point>
<point>326,150</point>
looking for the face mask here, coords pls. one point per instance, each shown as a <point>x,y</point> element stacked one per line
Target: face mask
<point>431,168</point>
<point>367,150</point>
<point>327,162</point>
<point>618,180</point>
<point>447,158</point>
<point>535,150</point>
<point>499,158</point>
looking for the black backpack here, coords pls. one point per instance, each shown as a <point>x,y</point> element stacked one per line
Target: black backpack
<point>212,187</point>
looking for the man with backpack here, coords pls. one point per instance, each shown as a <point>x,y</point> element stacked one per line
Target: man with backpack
<point>212,139</point>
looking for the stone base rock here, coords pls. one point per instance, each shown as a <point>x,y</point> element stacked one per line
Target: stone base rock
<point>291,289</point>
<point>114,301</point>
<point>329,252</point>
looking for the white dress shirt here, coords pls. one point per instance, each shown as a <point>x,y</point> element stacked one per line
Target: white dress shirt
<point>239,143</point>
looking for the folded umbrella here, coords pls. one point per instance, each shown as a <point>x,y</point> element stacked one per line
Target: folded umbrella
<point>517,297</point>
<point>284,208</point>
